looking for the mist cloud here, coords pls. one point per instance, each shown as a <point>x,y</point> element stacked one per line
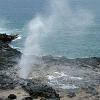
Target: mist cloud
<point>62,20</point>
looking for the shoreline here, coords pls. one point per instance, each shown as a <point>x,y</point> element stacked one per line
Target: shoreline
<point>61,70</point>
<point>80,95</point>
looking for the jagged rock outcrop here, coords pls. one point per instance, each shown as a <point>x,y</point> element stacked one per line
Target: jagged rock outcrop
<point>36,90</point>
<point>7,38</point>
<point>8,56</point>
<point>8,59</point>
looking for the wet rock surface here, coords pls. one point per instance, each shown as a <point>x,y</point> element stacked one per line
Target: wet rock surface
<point>7,38</point>
<point>12,96</point>
<point>39,90</point>
<point>92,62</point>
<point>8,56</point>
<point>88,67</point>
<point>7,83</point>
<point>71,94</point>
<point>27,98</point>
<point>8,59</point>
<point>91,90</point>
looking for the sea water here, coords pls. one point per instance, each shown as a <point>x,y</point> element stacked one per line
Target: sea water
<point>14,15</point>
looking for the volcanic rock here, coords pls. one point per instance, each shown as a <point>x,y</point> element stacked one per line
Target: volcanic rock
<point>40,90</point>
<point>7,38</point>
<point>8,56</point>
<point>27,98</point>
<point>12,96</point>
<point>71,94</point>
<point>7,83</point>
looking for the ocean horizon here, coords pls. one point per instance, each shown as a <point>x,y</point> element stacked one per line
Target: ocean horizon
<point>75,34</point>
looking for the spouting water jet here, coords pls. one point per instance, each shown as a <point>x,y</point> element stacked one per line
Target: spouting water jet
<point>62,20</point>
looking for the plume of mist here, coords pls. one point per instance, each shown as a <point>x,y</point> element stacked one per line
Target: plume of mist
<point>32,48</point>
<point>66,19</point>
<point>62,19</point>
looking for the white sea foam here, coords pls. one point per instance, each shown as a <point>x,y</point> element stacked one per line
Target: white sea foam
<point>56,77</point>
<point>69,86</point>
<point>18,38</point>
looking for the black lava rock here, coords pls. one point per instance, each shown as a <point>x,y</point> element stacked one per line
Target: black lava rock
<point>1,98</point>
<point>40,90</point>
<point>9,57</point>
<point>12,96</point>
<point>7,83</point>
<point>71,94</point>
<point>27,98</point>
<point>7,38</point>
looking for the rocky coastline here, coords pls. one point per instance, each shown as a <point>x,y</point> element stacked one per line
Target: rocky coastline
<point>38,90</point>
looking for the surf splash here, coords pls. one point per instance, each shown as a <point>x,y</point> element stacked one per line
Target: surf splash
<point>61,20</point>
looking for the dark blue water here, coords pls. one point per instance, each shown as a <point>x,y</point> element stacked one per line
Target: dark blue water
<point>15,14</point>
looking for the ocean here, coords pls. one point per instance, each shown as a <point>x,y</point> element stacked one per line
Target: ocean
<point>75,29</point>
